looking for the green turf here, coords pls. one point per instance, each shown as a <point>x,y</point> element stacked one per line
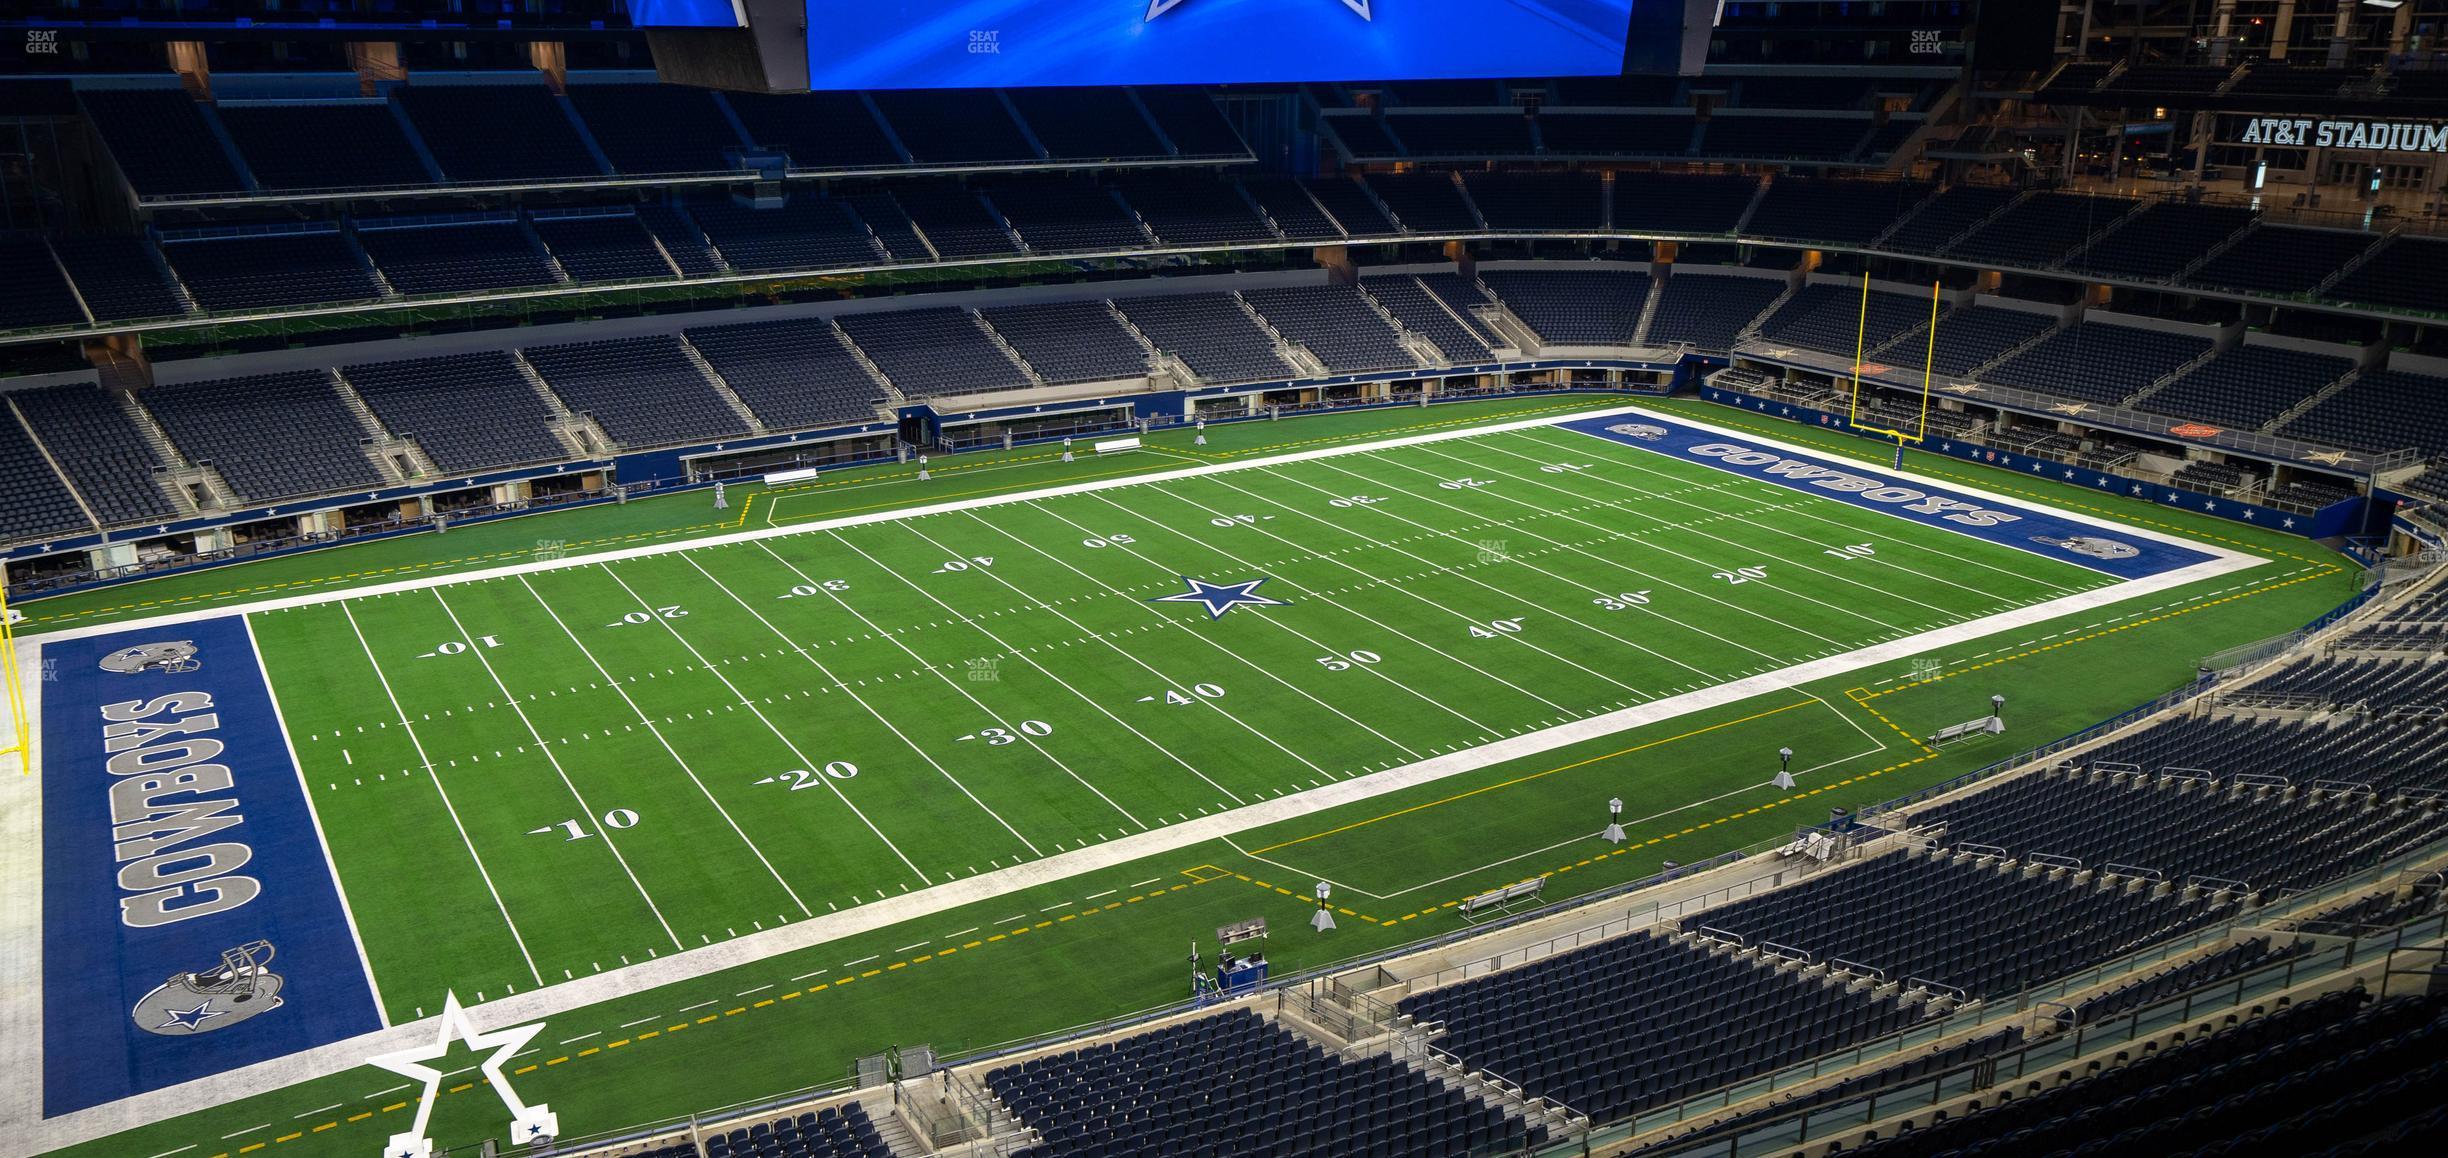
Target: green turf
<point>1351,574</point>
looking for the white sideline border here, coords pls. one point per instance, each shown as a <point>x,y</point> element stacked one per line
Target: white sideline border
<point>20,796</point>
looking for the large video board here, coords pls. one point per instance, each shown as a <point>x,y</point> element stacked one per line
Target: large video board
<point>877,44</point>
<point>687,14</point>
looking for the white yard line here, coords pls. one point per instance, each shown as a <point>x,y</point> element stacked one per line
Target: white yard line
<point>322,840</point>
<point>887,634</point>
<point>477,649</point>
<point>433,776</point>
<point>1803,562</point>
<point>1331,650</point>
<point>1374,580</point>
<point>1772,528</point>
<point>1473,580</point>
<point>793,745</point>
<point>1109,645</point>
<point>669,749</point>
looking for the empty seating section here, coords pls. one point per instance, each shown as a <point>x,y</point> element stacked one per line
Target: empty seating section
<point>929,352</point>
<point>467,412</point>
<point>270,270</point>
<point>1462,294</point>
<point>2275,259</point>
<point>2389,754</point>
<point>2165,239</point>
<point>1941,218</point>
<point>32,290</point>
<point>272,436</point>
<point>1663,135</point>
<point>681,239</point>
<point>1423,314</point>
<point>1579,307</point>
<point>884,217</point>
<point>2210,478</point>
<point>2240,957</point>
<point>1236,1084</point>
<point>1209,333</point>
<point>1191,121</point>
<point>101,449</point>
<point>354,144</point>
<point>1560,202</point>
<point>1642,1020</point>
<point>954,126</point>
<point>2098,361</point>
<point>1088,124</point>
<point>120,278</point>
<point>34,502</point>
<point>608,248</point>
<point>2180,828</point>
<point>2042,229</point>
<point>2406,273</point>
<point>1495,133</point>
<point>497,132</point>
<point>1673,203</point>
<point>456,258</point>
<point>2334,1074</point>
<point>846,1132</point>
<point>1352,206</point>
<point>1782,138</point>
<point>794,374</point>
<point>1953,1059</point>
<point>1849,212</point>
<point>817,130</point>
<point>2378,685</point>
<point>160,141</point>
<point>955,222</point>
<point>642,391</point>
<point>1065,214</point>
<point>2380,410</point>
<point>1950,920</point>
<point>1289,205</point>
<point>1335,323</point>
<point>806,232</point>
<point>2248,385</point>
<point>1708,312</point>
<point>656,128</point>
<point>1070,341</point>
<point>1968,338</point>
<point>1426,202</point>
<point>1195,210</point>
<point>1831,316</point>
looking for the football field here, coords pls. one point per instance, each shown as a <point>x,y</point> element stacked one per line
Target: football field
<point>565,769</point>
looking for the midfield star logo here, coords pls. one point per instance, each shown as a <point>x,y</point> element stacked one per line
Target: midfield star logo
<point>1219,598</point>
<point>528,1124</point>
<point>1158,8</point>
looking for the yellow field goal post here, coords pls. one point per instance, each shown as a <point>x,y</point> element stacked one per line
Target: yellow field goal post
<point>1929,362</point>
<point>20,732</point>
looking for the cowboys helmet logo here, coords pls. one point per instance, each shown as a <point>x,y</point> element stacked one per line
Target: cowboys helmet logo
<point>1639,430</point>
<point>176,655</point>
<point>190,1003</point>
<point>2091,545</point>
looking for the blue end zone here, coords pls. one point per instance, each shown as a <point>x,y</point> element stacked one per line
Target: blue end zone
<point>2033,529</point>
<point>175,832</point>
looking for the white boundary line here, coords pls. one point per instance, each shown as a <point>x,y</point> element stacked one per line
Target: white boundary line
<point>322,841</point>
<point>20,892</point>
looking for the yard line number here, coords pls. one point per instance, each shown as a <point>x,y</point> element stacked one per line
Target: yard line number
<point>811,590</point>
<point>798,778</point>
<point>1344,661</point>
<point>1742,574</point>
<point>575,829</point>
<point>673,611</point>
<point>1496,627</point>
<point>997,737</point>
<point>1178,697</point>
<point>459,647</point>
<point>1622,600</point>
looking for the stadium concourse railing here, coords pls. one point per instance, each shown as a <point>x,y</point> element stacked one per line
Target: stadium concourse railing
<point>1286,988</point>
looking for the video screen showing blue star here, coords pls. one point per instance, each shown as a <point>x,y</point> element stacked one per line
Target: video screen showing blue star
<point>1020,43</point>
